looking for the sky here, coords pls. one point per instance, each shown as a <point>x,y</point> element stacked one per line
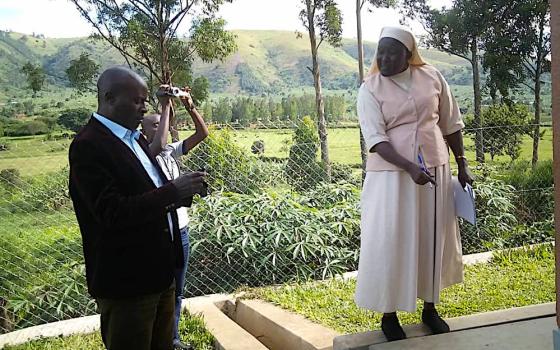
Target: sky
<point>60,19</point>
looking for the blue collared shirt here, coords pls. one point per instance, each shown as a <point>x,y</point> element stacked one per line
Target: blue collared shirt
<point>130,138</point>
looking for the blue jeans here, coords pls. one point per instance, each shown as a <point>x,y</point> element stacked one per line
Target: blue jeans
<point>180,276</point>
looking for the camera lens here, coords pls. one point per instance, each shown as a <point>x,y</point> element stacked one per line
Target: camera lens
<point>175,91</point>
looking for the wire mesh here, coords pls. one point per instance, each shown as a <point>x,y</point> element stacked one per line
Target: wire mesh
<point>275,213</point>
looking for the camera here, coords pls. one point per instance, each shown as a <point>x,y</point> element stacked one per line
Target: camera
<point>177,92</point>
<point>173,92</point>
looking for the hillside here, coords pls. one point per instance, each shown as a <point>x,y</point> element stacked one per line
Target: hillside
<point>266,61</point>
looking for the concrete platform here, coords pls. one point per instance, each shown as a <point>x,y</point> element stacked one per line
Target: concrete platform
<point>279,329</point>
<point>523,335</point>
<point>365,340</point>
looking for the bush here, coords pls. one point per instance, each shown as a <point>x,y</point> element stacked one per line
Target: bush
<point>11,179</point>
<point>45,279</point>
<point>505,126</point>
<point>26,128</point>
<point>535,200</point>
<point>272,238</point>
<point>258,147</point>
<point>42,193</point>
<point>302,169</point>
<point>343,173</point>
<point>74,119</point>
<point>229,168</point>
<point>495,216</point>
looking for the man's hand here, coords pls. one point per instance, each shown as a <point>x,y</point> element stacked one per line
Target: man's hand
<point>419,176</point>
<point>190,184</point>
<point>187,100</point>
<point>163,95</point>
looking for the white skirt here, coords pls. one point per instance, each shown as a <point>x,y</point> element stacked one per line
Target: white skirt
<point>410,242</point>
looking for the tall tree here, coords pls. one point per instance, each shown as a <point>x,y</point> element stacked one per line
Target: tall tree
<point>459,31</point>
<point>146,34</point>
<point>521,43</point>
<point>35,76</point>
<point>81,73</point>
<point>323,21</point>
<point>359,6</point>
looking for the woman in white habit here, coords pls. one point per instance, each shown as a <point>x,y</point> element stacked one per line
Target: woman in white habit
<point>410,241</point>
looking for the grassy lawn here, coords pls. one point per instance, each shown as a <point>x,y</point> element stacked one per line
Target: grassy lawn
<point>512,279</point>
<point>34,155</point>
<point>191,328</point>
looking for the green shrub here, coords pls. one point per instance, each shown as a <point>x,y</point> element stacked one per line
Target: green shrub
<point>43,277</point>
<point>343,173</point>
<point>11,179</point>
<point>74,119</point>
<point>230,169</point>
<point>495,216</point>
<point>535,200</point>
<point>258,147</point>
<point>272,238</point>
<point>302,169</point>
<point>505,126</point>
<point>26,128</point>
<point>43,193</point>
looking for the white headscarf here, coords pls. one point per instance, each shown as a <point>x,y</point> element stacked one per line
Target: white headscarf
<point>404,36</point>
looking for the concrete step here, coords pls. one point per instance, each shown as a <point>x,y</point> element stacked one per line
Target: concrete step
<point>279,329</point>
<point>228,334</point>
<point>364,341</point>
<point>533,334</point>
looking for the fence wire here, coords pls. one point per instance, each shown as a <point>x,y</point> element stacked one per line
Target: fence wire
<point>275,213</point>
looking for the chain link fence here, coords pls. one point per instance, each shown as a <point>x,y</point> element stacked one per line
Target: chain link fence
<point>275,213</point>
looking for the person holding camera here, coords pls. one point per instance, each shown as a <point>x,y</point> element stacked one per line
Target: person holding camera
<point>156,129</point>
<point>126,210</point>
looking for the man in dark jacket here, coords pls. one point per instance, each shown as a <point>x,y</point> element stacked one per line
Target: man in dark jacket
<point>126,209</point>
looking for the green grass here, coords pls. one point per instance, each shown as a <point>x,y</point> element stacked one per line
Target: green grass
<point>191,328</point>
<point>35,155</point>
<point>512,279</point>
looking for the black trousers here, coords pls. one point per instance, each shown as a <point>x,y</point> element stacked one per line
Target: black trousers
<point>139,323</point>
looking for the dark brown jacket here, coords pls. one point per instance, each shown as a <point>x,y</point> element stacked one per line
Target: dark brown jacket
<point>122,216</point>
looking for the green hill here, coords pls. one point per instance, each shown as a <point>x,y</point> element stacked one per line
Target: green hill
<point>266,62</point>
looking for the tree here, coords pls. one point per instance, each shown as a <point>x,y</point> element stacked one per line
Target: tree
<point>74,119</point>
<point>359,5</point>
<point>459,31</point>
<point>208,111</point>
<point>82,72</point>
<point>302,169</point>
<point>513,123</point>
<point>146,35</point>
<point>518,51</point>
<point>321,18</point>
<point>200,87</point>
<point>223,112</point>
<point>35,76</point>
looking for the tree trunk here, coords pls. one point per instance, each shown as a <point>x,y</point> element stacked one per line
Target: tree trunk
<point>363,150</point>
<point>479,138</point>
<point>321,122</point>
<point>538,73</point>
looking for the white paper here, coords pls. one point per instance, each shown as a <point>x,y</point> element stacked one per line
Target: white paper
<point>464,201</point>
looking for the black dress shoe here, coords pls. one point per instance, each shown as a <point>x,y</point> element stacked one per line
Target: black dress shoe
<point>178,345</point>
<point>392,328</point>
<point>436,324</point>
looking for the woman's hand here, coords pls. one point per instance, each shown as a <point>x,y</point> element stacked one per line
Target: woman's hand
<point>465,177</point>
<point>419,176</point>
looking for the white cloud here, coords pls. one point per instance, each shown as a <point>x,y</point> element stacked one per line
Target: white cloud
<point>54,18</point>
<point>59,18</point>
